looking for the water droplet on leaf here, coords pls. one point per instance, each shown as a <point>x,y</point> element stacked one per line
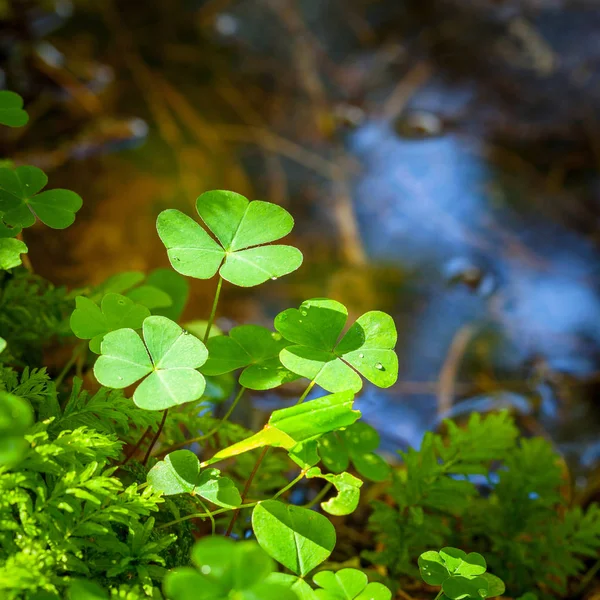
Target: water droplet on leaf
<point>273,278</point>
<point>379,367</point>
<point>304,313</point>
<point>361,355</point>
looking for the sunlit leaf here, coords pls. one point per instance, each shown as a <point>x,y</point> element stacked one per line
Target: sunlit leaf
<point>458,587</point>
<point>241,228</point>
<point>348,491</point>
<point>367,348</point>
<point>11,110</point>
<point>10,252</point>
<point>168,356</point>
<point>348,584</point>
<point>21,199</point>
<point>91,322</point>
<point>297,585</point>
<point>299,538</point>
<point>254,349</point>
<point>496,586</point>
<point>180,473</point>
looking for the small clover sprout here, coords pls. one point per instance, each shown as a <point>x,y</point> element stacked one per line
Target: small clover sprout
<point>91,322</point>
<point>459,574</point>
<point>298,538</point>
<point>357,444</point>
<point>316,353</point>
<point>242,229</point>
<point>166,360</point>
<point>10,253</point>
<point>254,349</point>
<point>21,199</point>
<point>225,569</point>
<point>180,473</point>
<point>350,584</point>
<point>11,110</point>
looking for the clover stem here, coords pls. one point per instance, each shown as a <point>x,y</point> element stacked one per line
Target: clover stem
<point>439,595</point>
<point>306,392</point>
<point>209,514</point>
<point>212,431</point>
<point>247,489</point>
<point>136,447</point>
<point>203,515</point>
<point>291,484</point>
<point>156,436</point>
<point>319,496</point>
<point>213,311</point>
<point>74,356</point>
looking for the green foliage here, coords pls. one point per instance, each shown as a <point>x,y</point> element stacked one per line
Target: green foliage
<point>365,349</point>
<point>298,538</point>
<point>166,360</point>
<point>21,200</point>
<point>10,253</point>
<point>16,417</point>
<point>241,228</point>
<point>11,110</point>
<point>350,584</point>
<point>459,574</point>
<point>224,570</point>
<point>517,525</point>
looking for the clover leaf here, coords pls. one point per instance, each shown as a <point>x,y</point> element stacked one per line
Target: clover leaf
<point>11,110</point>
<point>316,353</point>
<point>254,349</point>
<point>225,569</point>
<point>355,443</point>
<point>16,416</point>
<point>21,203</point>
<point>348,488</point>
<point>349,584</point>
<point>241,229</point>
<point>10,252</point>
<point>91,322</point>
<point>180,473</point>
<point>460,575</point>
<point>298,538</point>
<point>166,360</point>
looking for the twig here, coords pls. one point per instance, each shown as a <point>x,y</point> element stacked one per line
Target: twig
<point>136,447</point>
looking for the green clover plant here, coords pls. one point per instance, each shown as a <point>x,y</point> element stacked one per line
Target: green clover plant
<point>336,365</point>
<point>459,574</point>
<point>226,570</point>
<point>354,444</point>
<point>11,110</point>
<point>242,229</point>
<point>349,584</point>
<point>166,360</point>
<point>21,200</point>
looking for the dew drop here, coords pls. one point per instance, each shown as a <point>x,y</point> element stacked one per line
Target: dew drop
<point>120,378</point>
<point>379,367</point>
<point>276,336</point>
<point>205,569</point>
<point>273,278</point>
<point>361,355</point>
<point>299,320</point>
<point>304,313</point>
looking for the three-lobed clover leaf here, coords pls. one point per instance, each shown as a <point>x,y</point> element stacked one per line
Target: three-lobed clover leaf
<point>460,575</point>
<point>92,322</point>
<point>225,569</point>
<point>11,110</point>
<point>242,229</point>
<point>254,349</point>
<point>348,491</point>
<point>349,584</point>
<point>180,473</point>
<point>21,199</point>
<point>16,416</point>
<point>366,348</point>
<point>357,444</point>
<point>10,253</point>
<point>166,360</point>
<point>298,538</point>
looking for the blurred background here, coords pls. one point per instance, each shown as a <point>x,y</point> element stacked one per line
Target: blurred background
<point>441,158</point>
